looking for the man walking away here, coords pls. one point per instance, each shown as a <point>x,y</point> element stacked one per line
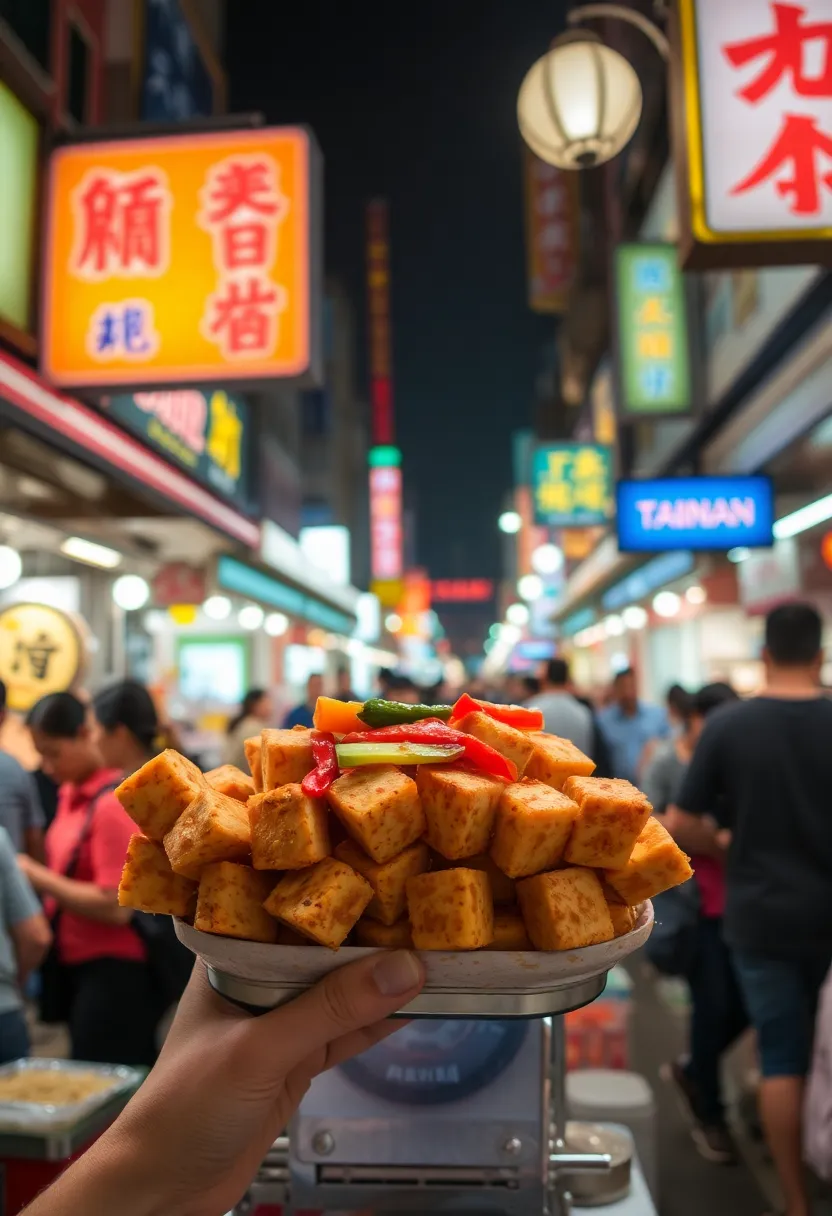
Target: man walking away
<point>629,725</point>
<point>563,714</point>
<point>21,813</point>
<point>768,762</point>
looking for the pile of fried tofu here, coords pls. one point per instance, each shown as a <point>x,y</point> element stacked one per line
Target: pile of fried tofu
<point>441,857</point>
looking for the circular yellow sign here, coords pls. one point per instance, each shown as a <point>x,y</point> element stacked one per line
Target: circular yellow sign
<point>40,652</point>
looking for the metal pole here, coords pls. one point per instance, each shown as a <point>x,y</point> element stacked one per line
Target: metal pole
<point>588,12</point>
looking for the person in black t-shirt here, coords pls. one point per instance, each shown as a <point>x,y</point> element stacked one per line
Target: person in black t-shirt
<point>769,762</point>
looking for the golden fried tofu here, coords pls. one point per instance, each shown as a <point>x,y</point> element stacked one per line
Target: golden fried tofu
<point>150,885</point>
<point>322,902</point>
<point>610,816</point>
<point>230,903</point>
<point>450,910</point>
<point>286,757</point>
<point>388,881</point>
<point>531,829</point>
<point>656,864</point>
<point>510,931</point>
<point>288,829</point>
<point>156,795</point>
<point>231,781</point>
<point>213,828</point>
<point>502,887</point>
<point>565,909</point>
<point>386,937</point>
<point>459,808</point>
<point>380,808</point>
<point>253,748</point>
<point>514,744</point>
<point>290,937</point>
<point>623,918</point>
<point>555,759</point>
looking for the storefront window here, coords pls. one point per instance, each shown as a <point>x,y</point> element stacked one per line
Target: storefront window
<point>30,20</point>
<point>19,138</point>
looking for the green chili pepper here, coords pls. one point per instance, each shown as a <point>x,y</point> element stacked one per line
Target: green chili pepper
<point>378,712</point>
<point>350,755</point>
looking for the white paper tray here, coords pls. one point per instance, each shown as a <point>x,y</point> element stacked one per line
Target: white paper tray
<point>471,984</point>
<point>42,1117</point>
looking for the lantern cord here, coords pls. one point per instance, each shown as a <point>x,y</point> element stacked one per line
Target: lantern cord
<point>587,12</point>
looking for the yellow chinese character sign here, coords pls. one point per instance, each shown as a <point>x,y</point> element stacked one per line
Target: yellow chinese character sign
<point>41,651</point>
<point>653,349</point>
<point>572,485</point>
<point>184,258</point>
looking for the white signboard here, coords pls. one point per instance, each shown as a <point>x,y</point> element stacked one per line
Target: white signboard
<point>763,75</point>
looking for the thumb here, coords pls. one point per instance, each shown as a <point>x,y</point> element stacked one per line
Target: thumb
<point>345,1000</point>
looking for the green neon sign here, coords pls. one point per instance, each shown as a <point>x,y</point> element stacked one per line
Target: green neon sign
<point>19,136</point>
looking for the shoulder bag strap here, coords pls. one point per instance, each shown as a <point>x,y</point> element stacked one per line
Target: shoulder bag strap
<point>75,856</point>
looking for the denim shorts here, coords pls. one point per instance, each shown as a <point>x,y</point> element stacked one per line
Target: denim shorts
<point>781,996</point>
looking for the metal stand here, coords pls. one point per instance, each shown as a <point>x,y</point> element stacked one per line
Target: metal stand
<point>560,1162</point>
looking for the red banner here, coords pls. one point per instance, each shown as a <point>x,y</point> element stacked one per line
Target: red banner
<point>551,234</point>
<point>378,298</point>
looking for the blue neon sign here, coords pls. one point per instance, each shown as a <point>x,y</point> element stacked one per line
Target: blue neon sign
<point>704,513</point>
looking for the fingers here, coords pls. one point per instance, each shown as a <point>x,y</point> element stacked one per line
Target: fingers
<point>345,1001</point>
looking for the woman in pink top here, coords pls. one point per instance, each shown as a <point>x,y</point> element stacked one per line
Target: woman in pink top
<point>111,1006</point>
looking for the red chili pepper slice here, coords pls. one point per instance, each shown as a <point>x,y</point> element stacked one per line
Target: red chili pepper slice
<point>316,783</point>
<point>518,716</point>
<point>431,730</point>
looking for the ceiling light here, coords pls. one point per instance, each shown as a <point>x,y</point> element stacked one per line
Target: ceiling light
<point>11,567</point>
<point>517,614</point>
<point>614,626</point>
<point>666,603</point>
<point>510,635</point>
<point>696,595</point>
<point>494,631</point>
<point>547,559</point>
<point>739,554</point>
<point>131,592</point>
<point>805,517</point>
<point>509,522</point>
<point>155,621</point>
<point>393,622</point>
<point>530,587</point>
<point>217,607</point>
<point>251,617</point>
<point>276,624</point>
<point>634,617</point>
<point>87,551</point>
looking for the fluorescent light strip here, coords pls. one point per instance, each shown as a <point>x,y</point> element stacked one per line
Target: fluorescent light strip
<point>87,551</point>
<point>805,517</point>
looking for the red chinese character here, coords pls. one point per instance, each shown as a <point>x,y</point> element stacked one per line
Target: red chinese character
<point>798,144</point>
<point>785,51</point>
<point>241,183</point>
<point>122,223</point>
<point>245,245</point>
<point>244,319</point>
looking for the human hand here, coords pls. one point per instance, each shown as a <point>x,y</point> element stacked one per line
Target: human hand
<point>225,1086</point>
<point>723,839</point>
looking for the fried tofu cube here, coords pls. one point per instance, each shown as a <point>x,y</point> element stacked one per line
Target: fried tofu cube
<point>386,937</point>
<point>514,744</point>
<point>253,748</point>
<point>510,931</point>
<point>290,937</point>
<point>565,909</point>
<point>322,902</point>
<point>611,814</point>
<point>156,795</point>
<point>502,887</point>
<point>555,759</point>
<point>231,781</point>
<point>288,829</point>
<point>459,808</point>
<point>230,903</point>
<point>389,902</point>
<point>450,910</point>
<point>150,885</point>
<point>623,918</point>
<point>532,827</point>
<point>213,828</point>
<point>380,808</point>
<point>656,864</point>
<point>286,757</point>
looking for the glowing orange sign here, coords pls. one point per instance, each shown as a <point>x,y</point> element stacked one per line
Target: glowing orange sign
<point>180,258</point>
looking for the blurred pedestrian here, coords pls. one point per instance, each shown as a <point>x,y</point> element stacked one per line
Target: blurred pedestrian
<point>21,813</point>
<point>25,938</point>
<point>768,763</point>
<point>718,1014</point>
<point>563,714</point>
<point>254,714</point>
<point>531,687</point>
<point>97,978</point>
<point>343,685</point>
<point>126,729</point>
<point>678,702</point>
<point>629,725</point>
<point>302,714</point>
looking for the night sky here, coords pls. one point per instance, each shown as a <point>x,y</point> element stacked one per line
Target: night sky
<point>417,104</point>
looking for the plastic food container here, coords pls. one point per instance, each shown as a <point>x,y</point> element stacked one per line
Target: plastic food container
<point>41,1118</point>
<point>465,984</point>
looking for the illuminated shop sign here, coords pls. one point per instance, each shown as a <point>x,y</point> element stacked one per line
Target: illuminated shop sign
<point>710,513</point>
